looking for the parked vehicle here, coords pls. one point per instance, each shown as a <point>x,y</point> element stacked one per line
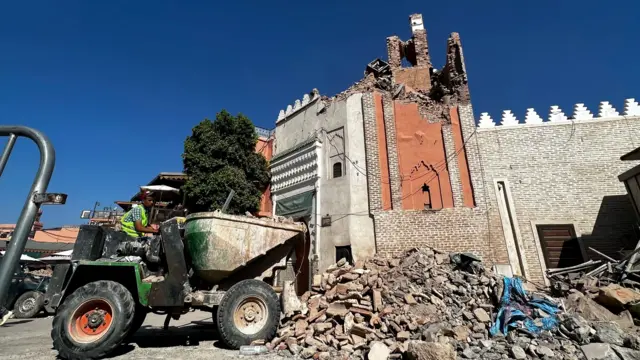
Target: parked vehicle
<point>220,263</point>
<point>26,294</point>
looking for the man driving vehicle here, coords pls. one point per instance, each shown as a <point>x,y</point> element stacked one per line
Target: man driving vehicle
<point>135,222</point>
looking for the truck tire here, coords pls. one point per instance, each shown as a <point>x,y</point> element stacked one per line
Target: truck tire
<point>28,305</point>
<point>138,319</point>
<point>249,311</point>
<point>93,320</point>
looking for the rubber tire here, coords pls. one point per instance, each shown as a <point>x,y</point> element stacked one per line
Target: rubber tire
<point>138,319</point>
<point>227,330</point>
<point>39,299</point>
<point>123,306</point>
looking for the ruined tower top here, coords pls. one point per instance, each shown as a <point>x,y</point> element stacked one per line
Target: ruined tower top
<point>415,51</point>
<point>449,81</point>
<point>416,22</point>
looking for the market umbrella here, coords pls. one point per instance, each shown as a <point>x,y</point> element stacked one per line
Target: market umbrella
<point>23,257</point>
<point>160,188</point>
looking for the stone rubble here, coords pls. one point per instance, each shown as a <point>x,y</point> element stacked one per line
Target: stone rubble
<point>423,305</point>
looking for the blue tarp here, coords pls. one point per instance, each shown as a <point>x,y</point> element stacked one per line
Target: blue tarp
<point>517,310</point>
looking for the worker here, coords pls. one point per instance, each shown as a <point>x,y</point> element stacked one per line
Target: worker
<point>135,222</point>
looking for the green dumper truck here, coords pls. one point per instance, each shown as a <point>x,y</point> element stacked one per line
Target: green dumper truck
<point>215,262</point>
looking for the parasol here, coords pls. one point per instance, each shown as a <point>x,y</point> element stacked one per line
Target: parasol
<point>23,257</point>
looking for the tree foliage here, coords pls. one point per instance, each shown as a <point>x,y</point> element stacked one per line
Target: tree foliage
<point>219,156</point>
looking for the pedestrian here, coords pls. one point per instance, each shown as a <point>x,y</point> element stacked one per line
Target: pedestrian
<point>5,315</point>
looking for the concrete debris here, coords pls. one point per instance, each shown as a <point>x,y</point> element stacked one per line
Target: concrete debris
<point>423,304</point>
<point>599,352</point>
<point>592,275</point>
<point>601,290</point>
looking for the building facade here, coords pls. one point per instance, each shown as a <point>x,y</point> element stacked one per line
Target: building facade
<point>417,169</point>
<point>319,176</point>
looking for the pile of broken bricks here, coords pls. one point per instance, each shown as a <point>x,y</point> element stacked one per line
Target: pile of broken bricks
<point>423,304</point>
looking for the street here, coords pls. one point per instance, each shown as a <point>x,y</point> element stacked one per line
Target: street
<point>192,337</point>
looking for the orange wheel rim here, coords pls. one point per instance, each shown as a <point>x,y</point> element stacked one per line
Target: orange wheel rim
<point>91,320</point>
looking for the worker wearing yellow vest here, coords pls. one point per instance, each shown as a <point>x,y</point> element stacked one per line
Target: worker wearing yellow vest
<point>135,222</point>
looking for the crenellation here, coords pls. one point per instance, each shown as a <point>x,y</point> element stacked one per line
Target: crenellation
<point>299,105</point>
<point>580,112</point>
<point>556,114</point>
<point>606,112</point>
<point>532,117</point>
<point>486,121</point>
<point>508,119</point>
<point>631,107</point>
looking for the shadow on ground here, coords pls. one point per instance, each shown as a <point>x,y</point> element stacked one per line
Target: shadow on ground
<point>17,322</point>
<point>183,335</point>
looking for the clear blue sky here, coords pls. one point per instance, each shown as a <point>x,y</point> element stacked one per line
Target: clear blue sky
<point>118,85</point>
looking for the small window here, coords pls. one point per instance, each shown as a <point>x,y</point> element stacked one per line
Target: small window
<point>337,170</point>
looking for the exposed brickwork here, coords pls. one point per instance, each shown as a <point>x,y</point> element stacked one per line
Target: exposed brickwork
<point>453,229</point>
<point>563,173</point>
<point>395,51</point>
<point>371,150</point>
<point>414,77</point>
<point>392,151</point>
<point>472,149</point>
<point>452,165</point>
<point>454,73</point>
<point>421,48</point>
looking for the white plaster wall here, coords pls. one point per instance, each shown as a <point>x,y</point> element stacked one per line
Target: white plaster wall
<point>360,223</point>
<point>298,127</point>
<point>345,198</point>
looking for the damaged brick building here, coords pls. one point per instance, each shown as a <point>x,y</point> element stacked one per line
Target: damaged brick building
<point>398,161</point>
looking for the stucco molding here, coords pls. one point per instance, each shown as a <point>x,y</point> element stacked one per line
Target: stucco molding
<point>298,167</point>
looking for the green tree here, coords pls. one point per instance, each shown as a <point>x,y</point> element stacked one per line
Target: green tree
<point>220,156</point>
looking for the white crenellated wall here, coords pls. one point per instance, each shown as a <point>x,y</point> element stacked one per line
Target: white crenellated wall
<point>556,116</point>
<point>299,105</point>
<point>560,168</point>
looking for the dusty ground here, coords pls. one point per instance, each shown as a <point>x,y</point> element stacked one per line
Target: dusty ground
<point>192,337</point>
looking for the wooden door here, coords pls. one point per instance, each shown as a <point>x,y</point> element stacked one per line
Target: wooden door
<point>560,246</point>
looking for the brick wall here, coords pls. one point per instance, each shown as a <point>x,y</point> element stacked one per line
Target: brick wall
<point>450,229</point>
<point>556,173</point>
<point>563,173</point>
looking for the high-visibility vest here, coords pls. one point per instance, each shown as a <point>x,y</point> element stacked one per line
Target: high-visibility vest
<point>129,227</point>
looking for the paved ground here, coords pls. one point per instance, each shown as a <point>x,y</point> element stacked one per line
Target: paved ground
<point>192,337</point>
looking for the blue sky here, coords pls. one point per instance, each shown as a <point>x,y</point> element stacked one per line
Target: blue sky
<point>118,85</point>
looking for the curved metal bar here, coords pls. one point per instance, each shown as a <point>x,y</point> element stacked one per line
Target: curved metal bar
<point>30,209</point>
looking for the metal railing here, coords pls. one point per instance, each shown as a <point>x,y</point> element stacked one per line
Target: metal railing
<point>32,204</point>
<point>265,133</point>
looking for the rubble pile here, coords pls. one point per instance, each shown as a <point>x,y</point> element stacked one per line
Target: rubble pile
<point>41,272</point>
<point>594,274</point>
<point>425,304</point>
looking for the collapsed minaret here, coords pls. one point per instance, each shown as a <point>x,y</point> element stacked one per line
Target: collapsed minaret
<point>447,84</point>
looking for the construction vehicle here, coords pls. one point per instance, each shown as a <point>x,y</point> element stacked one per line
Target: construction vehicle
<point>209,261</point>
<point>215,262</point>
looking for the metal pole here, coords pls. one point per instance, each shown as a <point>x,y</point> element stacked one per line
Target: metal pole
<point>228,201</point>
<point>30,209</point>
<point>93,213</point>
<point>7,152</point>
